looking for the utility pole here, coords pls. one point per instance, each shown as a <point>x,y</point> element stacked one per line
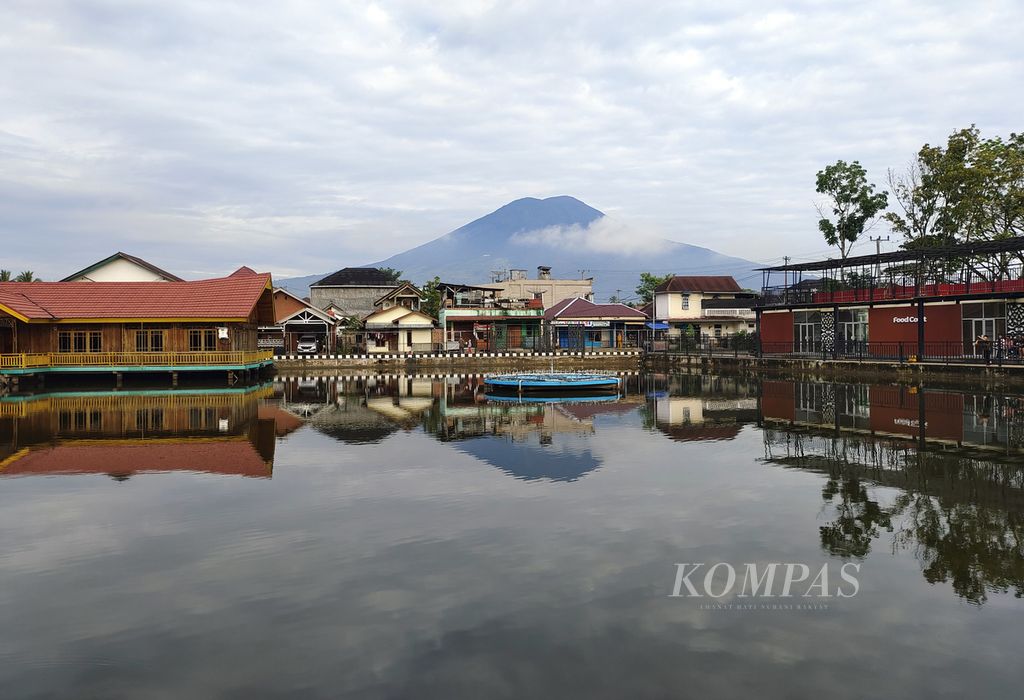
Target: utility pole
<point>785,277</point>
<point>878,253</point>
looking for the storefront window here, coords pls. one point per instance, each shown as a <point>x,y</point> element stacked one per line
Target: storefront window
<point>807,331</point>
<point>982,318</point>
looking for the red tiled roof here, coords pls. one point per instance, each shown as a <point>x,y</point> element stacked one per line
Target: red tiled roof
<point>234,457</point>
<point>699,283</point>
<point>578,307</point>
<point>243,271</point>
<point>215,299</point>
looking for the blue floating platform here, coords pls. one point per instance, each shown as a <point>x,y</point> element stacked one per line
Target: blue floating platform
<point>534,382</point>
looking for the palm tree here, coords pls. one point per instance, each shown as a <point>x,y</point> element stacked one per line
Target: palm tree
<point>26,276</point>
<point>5,275</point>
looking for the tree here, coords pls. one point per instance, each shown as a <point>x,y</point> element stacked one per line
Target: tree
<point>648,283</point>
<point>853,201</point>
<point>431,297</point>
<point>393,275</point>
<point>970,189</point>
<point>5,275</point>
<point>27,276</point>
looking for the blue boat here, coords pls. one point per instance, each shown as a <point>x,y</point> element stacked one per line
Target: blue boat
<point>552,381</point>
<point>551,397</point>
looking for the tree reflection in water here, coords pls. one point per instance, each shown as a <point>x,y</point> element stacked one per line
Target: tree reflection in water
<point>960,514</point>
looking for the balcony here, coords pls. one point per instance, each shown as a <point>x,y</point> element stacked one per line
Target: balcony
<point>25,363</point>
<point>728,313</point>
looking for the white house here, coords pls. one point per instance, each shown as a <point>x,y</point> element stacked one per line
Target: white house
<point>704,305</point>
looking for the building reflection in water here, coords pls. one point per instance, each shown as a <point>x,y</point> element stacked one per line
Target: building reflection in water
<point>696,407</point>
<point>955,459</point>
<point>125,433</point>
<point>525,440</point>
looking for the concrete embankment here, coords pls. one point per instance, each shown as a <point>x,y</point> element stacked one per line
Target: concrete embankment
<point>981,375</point>
<point>476,363</point>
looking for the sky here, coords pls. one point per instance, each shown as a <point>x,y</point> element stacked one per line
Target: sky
<point>306,136</point>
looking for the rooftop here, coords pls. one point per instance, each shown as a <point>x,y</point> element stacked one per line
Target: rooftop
<point>699,283</point>
<point>577,307</point>
<point>357,277</point>
<point>214,299</point>
<point>130,258</point>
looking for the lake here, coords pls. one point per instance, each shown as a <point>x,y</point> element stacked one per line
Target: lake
<point>411,537</point>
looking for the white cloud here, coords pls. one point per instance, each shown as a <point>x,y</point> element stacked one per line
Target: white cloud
<point>605,235</point>
<point>326,134</point>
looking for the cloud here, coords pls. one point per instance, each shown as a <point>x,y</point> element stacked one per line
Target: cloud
<point>604,235</point>
<point>310,136</point>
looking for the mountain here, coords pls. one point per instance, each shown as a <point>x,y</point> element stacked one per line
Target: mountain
<point>560,232</point>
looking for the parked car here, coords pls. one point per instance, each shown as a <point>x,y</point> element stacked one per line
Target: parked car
<point>308,345</point>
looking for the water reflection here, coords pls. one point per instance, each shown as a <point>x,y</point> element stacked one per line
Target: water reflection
<point>415,529</point>
<point>954,457</point>
<point>121,434</point>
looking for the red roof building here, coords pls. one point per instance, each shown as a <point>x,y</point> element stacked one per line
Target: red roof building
<point>99,326</point>
<point>578,324</point>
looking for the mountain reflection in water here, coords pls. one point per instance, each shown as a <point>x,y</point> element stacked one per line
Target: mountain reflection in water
<point>398,536</point>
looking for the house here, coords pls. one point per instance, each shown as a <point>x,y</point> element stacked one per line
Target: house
<point>73,327</point>
<point>704,306</point>
<point>398,330</point>
<point>578,323</point>
<point>398,325</point>
<point>544,287</point>
<point>121,267</point>
<point>405,294</point>
<point>352,290</point>
<point>294,318</point>
<point>478,317</point>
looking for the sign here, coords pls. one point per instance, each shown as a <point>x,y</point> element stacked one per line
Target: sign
<point>907,319</point>
<point>584,324</point>
<point>482,326</point>
<point>270,342</point>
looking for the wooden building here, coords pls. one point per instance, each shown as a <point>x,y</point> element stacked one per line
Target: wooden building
<point>76,327</point>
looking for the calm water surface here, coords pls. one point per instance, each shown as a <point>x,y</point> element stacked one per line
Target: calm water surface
<point>411,538</point>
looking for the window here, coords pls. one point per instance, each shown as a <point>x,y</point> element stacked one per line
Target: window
<point>200,339</point>
<point>685,302</point>
<point>79,341</point>
<point>149,341</point>
<point>149,419</point>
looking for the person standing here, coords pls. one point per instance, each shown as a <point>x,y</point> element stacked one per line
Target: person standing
<point>983,347</point>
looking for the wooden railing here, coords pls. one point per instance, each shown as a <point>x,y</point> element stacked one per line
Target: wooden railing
<point>133,359</point>
<point>24,360</point>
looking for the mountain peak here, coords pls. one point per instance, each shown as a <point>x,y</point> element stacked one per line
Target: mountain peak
<point>529,214</point>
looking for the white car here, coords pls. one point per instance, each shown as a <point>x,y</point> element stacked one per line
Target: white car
<point>307,345</point>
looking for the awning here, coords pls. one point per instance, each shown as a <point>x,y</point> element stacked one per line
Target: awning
<point>657,325</point>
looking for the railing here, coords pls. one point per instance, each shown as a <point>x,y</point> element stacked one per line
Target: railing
<point>24,360</point>
<point>899,351</point>
<point>133,359</point>
<point>727,313</point>
<point>736,344</point>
